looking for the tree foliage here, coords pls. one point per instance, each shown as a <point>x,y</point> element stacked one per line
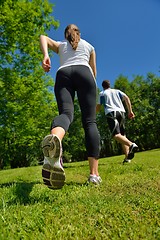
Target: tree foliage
<point>26,104</point>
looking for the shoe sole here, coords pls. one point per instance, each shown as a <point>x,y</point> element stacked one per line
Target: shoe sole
<point>53,177</point>
<point>48,146</point>
<point>52,173</point>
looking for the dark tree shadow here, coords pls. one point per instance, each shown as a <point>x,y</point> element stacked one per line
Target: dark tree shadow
<point>21,191</point>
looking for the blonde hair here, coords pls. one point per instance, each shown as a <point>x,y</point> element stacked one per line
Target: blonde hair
<point>72,34</point>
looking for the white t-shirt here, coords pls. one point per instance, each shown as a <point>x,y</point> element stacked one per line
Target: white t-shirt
<point>111,99</point>
<point>80,56</point>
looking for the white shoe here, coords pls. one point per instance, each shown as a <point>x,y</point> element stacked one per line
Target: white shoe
<point>94,179</point>
<point>99,179</point>
<point>52,172</point>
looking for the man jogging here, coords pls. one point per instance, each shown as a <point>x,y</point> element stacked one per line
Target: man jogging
<point>112,100</point>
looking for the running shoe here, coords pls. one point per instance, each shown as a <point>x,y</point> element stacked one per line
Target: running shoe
<point>133,148</point>
<point>94,179</point>
<point>126,160</point>
<point>52,171</point>
<point>99,179</point>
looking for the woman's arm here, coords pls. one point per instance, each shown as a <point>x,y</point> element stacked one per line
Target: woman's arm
<point>92,62</point>
<point>45,43</point>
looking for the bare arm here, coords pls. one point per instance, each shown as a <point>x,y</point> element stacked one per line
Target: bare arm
<point>45,43</point>
<point>92,63</point>
<point>129,107</point>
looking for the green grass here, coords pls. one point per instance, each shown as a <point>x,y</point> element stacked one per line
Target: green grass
<point>125,206</point>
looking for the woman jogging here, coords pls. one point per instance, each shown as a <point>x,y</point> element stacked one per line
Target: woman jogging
<point>76,74</point>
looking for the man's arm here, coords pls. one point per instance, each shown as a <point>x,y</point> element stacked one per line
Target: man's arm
<point>129,107</point>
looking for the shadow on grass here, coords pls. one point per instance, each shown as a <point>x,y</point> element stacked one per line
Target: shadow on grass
<point>21,191</point>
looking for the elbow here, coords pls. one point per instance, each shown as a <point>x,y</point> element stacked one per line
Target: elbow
<point>41,37</point>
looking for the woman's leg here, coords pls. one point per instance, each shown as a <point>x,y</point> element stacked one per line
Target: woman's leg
<point>65,100</point>
<point>58,131</point>
<point>52,171</point>
<point>93,165</point>
<point>86,92</point>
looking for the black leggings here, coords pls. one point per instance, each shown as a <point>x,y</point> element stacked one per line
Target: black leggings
<point>71,79</point>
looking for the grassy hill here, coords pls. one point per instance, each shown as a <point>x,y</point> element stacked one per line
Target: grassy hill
<point>125,206</point>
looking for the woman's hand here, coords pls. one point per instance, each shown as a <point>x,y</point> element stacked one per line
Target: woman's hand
<point>46,64</point>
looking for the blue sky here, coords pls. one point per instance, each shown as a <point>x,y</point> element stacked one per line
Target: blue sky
<point>125,34</point>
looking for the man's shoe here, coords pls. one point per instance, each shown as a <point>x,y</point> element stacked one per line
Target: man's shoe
<point>133,148</point>
<point>126,161</point>
<point>52,172</point>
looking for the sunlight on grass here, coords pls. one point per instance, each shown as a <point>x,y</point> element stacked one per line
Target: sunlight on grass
<point>125,206</point>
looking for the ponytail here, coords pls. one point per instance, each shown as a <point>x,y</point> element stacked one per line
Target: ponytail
<point>72,34</point>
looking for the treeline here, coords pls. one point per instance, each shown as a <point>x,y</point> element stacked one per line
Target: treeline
<point>27,104</point>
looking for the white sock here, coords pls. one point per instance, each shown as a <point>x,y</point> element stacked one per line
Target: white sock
<point>93,175</point>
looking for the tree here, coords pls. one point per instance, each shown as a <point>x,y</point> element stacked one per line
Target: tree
<point>146,100</point>
<point>26,102</point>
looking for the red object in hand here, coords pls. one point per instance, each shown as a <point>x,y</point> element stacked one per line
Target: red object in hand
<point>131,115</point>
